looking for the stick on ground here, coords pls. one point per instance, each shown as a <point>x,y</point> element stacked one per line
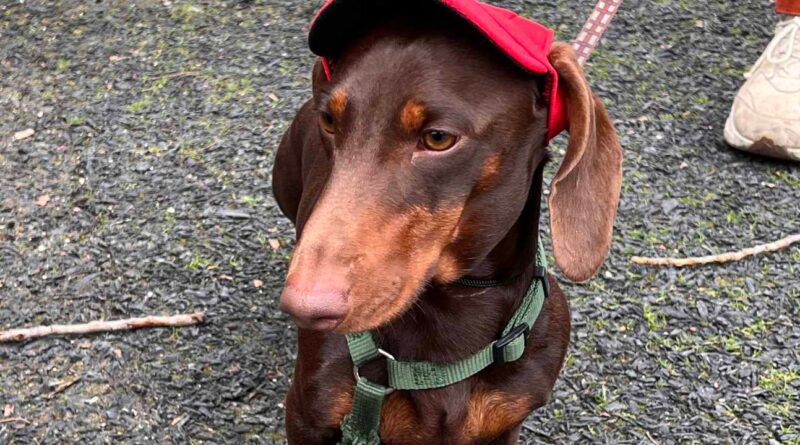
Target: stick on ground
<point>722,258</point>
<point>19,335</point>
<point>14,420</point>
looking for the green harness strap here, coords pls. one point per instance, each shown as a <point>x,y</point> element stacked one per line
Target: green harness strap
<point>362,425</point>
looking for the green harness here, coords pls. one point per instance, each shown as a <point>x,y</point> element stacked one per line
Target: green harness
<point>362,425</point>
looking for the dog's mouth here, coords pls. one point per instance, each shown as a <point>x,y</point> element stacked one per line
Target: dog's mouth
<point>371,294</point>
<point>356,283</point>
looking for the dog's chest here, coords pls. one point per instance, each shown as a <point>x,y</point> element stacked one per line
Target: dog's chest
<point>484,416</point>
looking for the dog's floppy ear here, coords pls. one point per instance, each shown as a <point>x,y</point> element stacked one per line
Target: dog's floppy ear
<point>585,191</point>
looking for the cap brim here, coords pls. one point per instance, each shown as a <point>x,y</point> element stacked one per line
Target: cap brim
<point>525,42</point>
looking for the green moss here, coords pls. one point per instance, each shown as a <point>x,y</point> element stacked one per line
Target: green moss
<point>74,121</point>
<point>190,153</point>
<point>654,319</point>
<point>732,344</point>
<point>199,262</point>
<point>779,381</point>
<point>140,105</point>
<point>249,200</point>
<point>601,398</point>
<point>159,83</point>
<point>187,11</point>
<point>169,216</point>
<point>796,255</point>
<point>734,216</point>
<point>702,99</point>
<point>690,201</point>
<point>156,151</point>
<point>758,328</point>
<point>786,178</point>
<point>62,65</point>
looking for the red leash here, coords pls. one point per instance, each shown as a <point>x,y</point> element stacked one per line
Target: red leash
<point>595,27</point>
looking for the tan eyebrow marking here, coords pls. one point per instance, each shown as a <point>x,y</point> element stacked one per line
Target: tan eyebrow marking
<point>412,116</point>
<point>489,172</point>
<point>338,103</point>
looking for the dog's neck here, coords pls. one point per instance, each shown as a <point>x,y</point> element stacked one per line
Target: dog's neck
<point>449,322</point>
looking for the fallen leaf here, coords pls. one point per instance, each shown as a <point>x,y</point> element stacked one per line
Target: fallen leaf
<point>24,134</point>
<point>8,410</point>
<point>176,420</point>
<point>275,244</point>
<point>117,353</point>
<point>85,345</point>
<point>258,284</point>
<point>42,200</point>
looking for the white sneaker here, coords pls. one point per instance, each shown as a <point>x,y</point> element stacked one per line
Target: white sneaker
<point>765,118</point>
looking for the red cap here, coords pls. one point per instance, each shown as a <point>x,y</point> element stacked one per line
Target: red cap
<point>524,41</point>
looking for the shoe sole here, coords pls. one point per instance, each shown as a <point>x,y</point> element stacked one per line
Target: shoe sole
<point>763,146</point>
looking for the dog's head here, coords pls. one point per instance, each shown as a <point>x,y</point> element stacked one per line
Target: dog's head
<point>433,138</point>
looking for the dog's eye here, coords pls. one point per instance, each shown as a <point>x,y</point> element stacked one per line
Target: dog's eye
<point>327,123</point>
<point>438,140</point>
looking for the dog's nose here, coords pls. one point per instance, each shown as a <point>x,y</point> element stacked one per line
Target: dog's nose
<point>317,308</point>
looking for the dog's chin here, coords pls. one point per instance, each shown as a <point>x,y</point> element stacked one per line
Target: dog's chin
<point>320,324</point>
<point>352,325</point>
<point>371,317</point>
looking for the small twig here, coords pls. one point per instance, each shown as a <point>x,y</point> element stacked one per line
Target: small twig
<point>63,386</point>
<point>655,442</point>
<point>19,335</point>
<point>14,420</point>
<point>179,74</point>
<point>174,76</point>
<point>722,258</point>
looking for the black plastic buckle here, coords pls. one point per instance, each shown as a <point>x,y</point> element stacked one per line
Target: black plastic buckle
<point>540,273</point>
<point>500,345</point>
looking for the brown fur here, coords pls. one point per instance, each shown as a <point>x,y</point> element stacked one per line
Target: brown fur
<point>396,226</point>
<point>493,412</point>
<point>399,421</point>
<point>341,404</point>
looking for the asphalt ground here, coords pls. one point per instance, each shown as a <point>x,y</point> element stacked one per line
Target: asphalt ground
<point>145,190</point>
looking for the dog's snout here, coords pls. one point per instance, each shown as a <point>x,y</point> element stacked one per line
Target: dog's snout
<point>317,306</point>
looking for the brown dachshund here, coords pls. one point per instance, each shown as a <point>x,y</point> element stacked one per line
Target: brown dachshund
<point>418,164</point>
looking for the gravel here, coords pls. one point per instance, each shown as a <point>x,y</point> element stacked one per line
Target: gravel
<point>136,143</point>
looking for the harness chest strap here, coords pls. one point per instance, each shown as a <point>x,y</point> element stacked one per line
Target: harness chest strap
<point>362,425</point>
